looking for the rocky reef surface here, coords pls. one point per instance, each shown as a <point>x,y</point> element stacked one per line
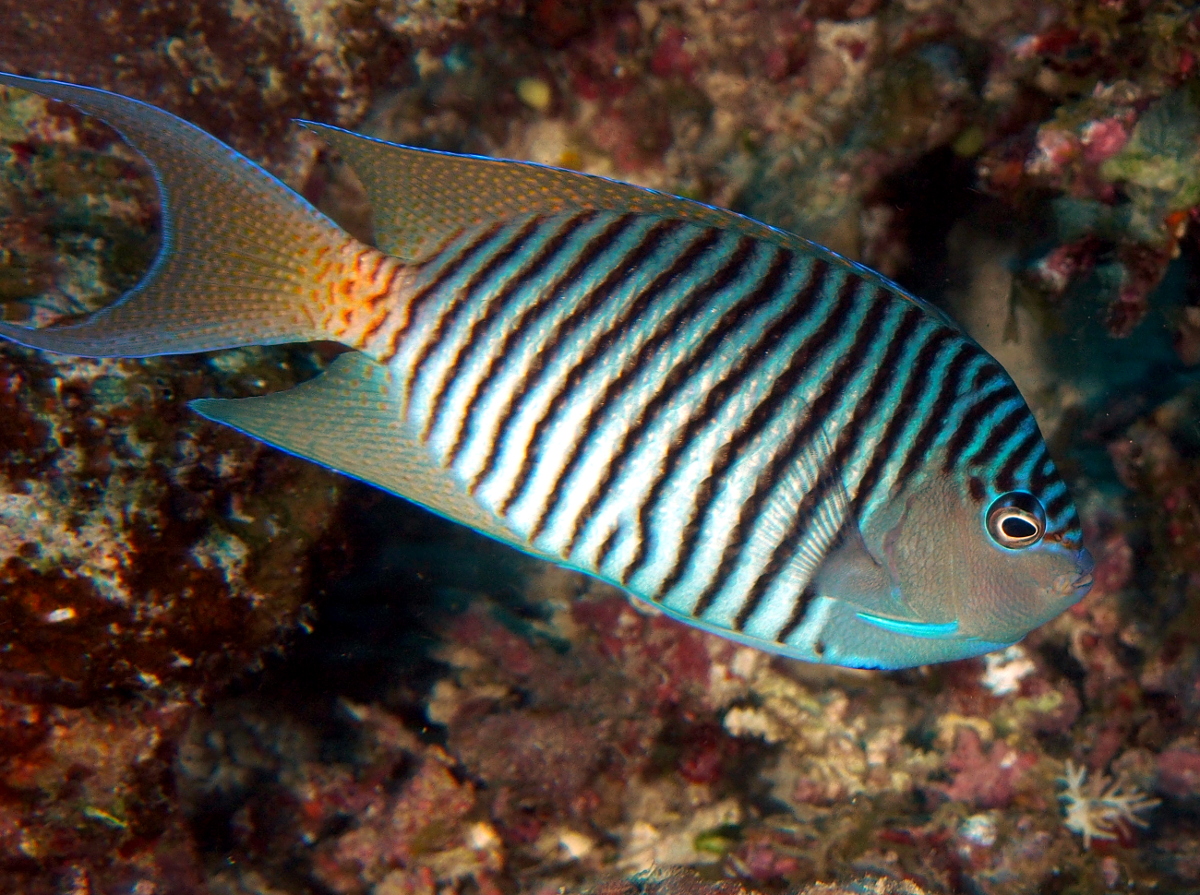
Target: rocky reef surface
<point>227,671</point>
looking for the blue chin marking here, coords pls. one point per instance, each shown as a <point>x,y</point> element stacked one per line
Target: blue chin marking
<point>912,629</point>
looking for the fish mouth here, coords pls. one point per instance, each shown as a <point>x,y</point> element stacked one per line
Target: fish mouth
<point>1085,564</point>
<point>1073,588</point>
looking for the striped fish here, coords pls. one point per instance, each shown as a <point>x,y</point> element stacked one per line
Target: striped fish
<point>727,421</point>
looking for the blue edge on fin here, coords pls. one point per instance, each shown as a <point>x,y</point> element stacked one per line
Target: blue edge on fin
<point>912,629</point>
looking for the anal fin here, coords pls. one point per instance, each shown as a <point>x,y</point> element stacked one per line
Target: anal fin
<point>349,420</point>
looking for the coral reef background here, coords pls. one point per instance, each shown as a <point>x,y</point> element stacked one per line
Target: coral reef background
<point>225,671</point>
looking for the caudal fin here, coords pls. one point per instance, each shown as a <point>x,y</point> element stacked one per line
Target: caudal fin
<point>240,256</point>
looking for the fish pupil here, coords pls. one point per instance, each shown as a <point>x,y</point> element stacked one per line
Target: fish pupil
<point>1017,528</point>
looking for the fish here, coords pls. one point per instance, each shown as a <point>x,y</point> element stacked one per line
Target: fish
<point>727,421</point>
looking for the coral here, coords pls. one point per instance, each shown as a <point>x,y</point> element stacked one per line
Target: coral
<point>1101,809</point>
<point>1106,155</point>
<point>147,559</point>
<point>89,795</point>
<point>239,70</point>
<point>1005,670</point>
<point>666,881</point>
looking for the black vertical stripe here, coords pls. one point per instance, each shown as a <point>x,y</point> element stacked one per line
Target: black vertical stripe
<point>729,384</point>
<point>782,387</point>
<point>1006,478</point>
<point>1044,473</point>
<point>550,296</point>
<point>446,268</point>
<point>596,348</point>
<point>1058,504</point>
<point>969,425</point>
<point>460,302</point>
<point>685,309</point>
<point>1002,430</point>
<point>917,379</point>
<point>799,440</point>
<point>848,436</point>
<point>591,252</point>
<point>797,529</point>
<point>677,377</point>
<point>606,547</point>
<point>798,612</point>
<point>498,304</point>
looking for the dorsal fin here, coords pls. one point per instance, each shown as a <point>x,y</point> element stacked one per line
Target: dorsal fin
<point>420,197</point>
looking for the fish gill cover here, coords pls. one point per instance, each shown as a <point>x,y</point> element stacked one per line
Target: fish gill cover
<point>459,719</point>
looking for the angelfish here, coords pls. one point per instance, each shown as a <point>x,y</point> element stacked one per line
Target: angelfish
<point>728,421</point>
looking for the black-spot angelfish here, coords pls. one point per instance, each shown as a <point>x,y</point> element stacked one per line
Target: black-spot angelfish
<point>728,421</point>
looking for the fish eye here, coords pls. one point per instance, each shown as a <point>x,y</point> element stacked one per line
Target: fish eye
<point>1016,520</point>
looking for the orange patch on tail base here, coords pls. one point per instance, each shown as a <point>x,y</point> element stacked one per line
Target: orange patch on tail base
<point>361,290</point>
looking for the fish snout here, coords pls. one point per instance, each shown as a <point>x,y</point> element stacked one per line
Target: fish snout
<point>1085,564</point>
<point>1076,586</point>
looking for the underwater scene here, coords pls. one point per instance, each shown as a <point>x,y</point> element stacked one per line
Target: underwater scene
<point>788,484</point>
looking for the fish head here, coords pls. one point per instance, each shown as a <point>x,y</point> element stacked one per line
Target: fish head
<point>982,566</point>
<point>953,566</point>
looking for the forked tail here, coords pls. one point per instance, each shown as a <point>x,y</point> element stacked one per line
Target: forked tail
<point>244,259</point>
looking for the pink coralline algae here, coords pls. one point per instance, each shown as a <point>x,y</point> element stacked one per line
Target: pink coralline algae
<point>1179,771</point>
<point>985,776</point>
<point>1102,139</point>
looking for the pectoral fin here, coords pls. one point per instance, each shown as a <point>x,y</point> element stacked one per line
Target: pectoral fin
<point>851,575</point>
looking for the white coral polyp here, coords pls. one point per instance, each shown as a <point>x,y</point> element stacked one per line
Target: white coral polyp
<point>1102,808</point>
